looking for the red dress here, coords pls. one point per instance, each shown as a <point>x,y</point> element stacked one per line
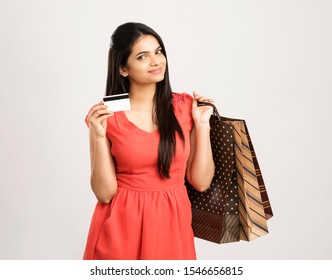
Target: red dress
<point>149,217</point>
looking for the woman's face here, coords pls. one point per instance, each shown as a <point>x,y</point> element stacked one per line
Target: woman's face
<point>146,64</point>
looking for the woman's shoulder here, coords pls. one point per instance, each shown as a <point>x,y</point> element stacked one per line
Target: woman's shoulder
<point>182,103</point>
<point>182,100</point>
<point>182,97</point>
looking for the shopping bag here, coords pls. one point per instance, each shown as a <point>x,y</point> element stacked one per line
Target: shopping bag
<point>215,212</point>
<point>245,206</point>
<point>265,198</point>
<point>252,215</point>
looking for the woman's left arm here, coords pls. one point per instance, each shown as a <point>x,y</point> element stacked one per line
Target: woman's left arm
<point>200,166</point>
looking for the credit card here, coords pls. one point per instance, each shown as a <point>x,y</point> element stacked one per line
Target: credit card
<point>118,102</point>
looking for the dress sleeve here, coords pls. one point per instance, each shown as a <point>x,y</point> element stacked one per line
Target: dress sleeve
<point>182,107</point>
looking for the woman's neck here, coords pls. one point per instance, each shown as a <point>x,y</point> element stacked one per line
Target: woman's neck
<point>141,97</point>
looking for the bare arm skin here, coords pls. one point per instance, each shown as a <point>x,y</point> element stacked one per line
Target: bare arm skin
<point>200,166</point>
<point>103,177</point>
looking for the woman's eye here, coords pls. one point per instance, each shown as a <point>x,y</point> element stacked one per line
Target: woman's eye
<point>159,52</point>
<point>141,57</point>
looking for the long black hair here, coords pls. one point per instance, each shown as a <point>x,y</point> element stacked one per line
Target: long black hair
<point>122,41</point>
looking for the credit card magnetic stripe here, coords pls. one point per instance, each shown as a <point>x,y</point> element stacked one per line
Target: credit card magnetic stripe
<point>115,97</point>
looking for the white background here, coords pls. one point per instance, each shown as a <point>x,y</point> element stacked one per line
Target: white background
<point>268,62</point>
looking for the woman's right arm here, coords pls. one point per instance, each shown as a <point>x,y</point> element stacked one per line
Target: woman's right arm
<point>103,177</point>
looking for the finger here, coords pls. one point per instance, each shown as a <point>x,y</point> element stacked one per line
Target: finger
<point>209,100</point>
<point>101,106</point>
<point>197,98</point>
<point>104,117</point>
<point>194,104</point>
<point>206,99</point>
<point>96,108</point>
<point>196,95</point>
<point>102,112</point>
<point>201,97</point>
<point>93,117</point>
<point>98,119</point>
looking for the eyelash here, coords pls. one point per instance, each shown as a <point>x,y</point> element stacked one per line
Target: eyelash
<point>143,56</point>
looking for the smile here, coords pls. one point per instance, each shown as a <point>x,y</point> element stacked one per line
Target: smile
<point>156,71</point>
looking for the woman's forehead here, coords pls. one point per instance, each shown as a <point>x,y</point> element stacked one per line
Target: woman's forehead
<point>145,43</point>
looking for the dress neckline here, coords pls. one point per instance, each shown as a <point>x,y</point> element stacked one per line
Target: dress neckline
<point>135,126</point>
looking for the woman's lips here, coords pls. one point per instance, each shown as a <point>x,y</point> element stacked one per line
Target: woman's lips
<point>156,71</point>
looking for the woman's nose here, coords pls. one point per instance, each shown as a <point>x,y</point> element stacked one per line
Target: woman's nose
<point>154,61</point>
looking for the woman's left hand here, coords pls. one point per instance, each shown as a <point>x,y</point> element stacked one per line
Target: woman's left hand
<point>201,114</point>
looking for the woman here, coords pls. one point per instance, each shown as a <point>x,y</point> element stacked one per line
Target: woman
<point>140,157</point>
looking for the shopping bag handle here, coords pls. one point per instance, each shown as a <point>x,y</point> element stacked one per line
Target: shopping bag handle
<point>215,110</point>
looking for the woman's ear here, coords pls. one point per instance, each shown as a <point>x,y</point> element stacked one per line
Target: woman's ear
<point>123,72</point>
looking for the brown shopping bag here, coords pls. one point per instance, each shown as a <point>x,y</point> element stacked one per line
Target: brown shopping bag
<point>237,183</point>
<point>264,196</point>
<point>252,215</point>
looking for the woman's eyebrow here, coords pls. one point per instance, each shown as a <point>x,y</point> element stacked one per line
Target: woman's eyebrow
<point>144,52</point>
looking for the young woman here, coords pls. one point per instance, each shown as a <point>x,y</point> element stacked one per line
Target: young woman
<point>140,157</point>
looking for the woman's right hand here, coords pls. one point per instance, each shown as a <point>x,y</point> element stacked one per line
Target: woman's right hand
<point>97,119</point>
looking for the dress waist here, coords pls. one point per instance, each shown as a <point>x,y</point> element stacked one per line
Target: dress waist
<point>149,188</point>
